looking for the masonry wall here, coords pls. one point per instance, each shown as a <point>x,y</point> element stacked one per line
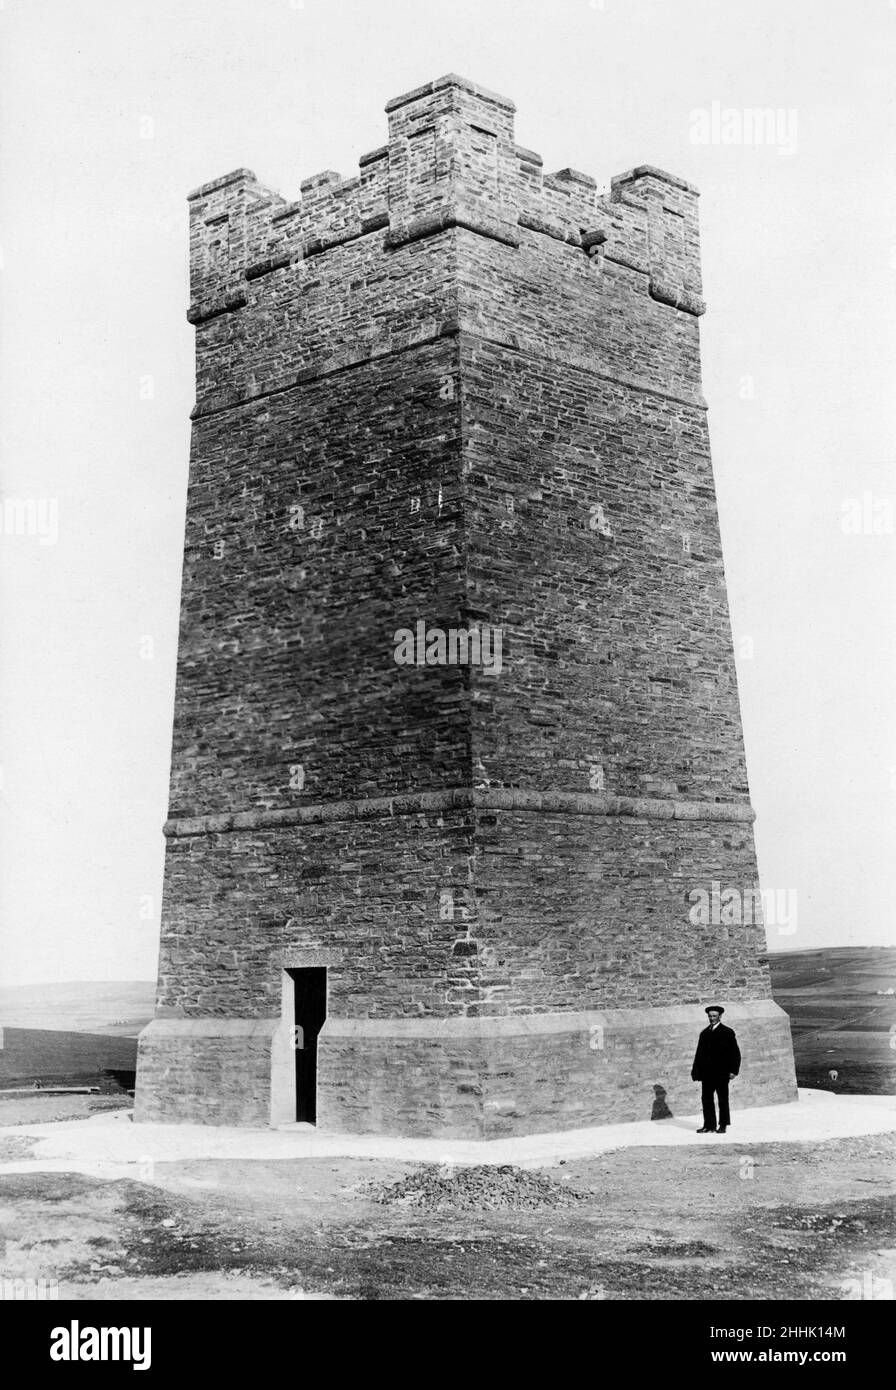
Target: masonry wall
<point>366,894</point>
<point>618,648</point>
<point>479,912</point>
<point>217,1071</point>
<point>593,912</point>
<point>314,530</point>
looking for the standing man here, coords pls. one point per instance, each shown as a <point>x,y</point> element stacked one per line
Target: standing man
<point>717,1061</point>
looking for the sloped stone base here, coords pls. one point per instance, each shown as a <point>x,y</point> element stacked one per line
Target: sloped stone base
<point>459,1078</point>
<point>206,1071</point>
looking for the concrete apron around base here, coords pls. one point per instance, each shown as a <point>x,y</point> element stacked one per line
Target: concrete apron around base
<point>460,1078</point>
<point>108,1146</point>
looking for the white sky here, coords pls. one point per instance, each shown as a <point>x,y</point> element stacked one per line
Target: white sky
<point>112,110</point>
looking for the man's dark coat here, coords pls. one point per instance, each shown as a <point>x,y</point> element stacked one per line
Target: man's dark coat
<point>717,1055</point>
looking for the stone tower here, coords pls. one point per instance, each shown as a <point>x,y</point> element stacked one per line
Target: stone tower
<point>457,743</point>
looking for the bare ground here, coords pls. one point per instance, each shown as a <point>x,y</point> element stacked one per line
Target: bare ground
<point>36,1107</point>
<point>772,1221</point>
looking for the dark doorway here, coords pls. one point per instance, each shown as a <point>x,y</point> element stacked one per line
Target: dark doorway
<point>311,1010</point>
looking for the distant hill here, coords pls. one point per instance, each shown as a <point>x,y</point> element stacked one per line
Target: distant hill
<point>121,1007</point>
<point>842,1006</point>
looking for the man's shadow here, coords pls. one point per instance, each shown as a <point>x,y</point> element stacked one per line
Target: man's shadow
<point>660,1109</point>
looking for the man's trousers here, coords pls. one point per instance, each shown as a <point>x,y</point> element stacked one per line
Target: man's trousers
<point>712,1086</point>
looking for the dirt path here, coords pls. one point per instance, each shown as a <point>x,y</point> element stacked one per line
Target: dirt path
<point>777,1221</point>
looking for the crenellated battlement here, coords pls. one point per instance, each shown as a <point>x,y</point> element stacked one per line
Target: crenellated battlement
<point>450,162</point>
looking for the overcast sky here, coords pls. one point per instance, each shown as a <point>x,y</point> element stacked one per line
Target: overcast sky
<point>112,110</point>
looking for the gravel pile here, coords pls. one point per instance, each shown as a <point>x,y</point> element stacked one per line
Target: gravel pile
<point>485,1188</point>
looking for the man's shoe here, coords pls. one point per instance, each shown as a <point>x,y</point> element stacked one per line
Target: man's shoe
<point>706,1130</point>
<point>721,1129</point>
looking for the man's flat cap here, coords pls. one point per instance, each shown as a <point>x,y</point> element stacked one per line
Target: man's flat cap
<point>713,1009</point>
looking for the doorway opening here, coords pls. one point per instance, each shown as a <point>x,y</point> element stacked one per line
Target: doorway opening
<point>310,990</point>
